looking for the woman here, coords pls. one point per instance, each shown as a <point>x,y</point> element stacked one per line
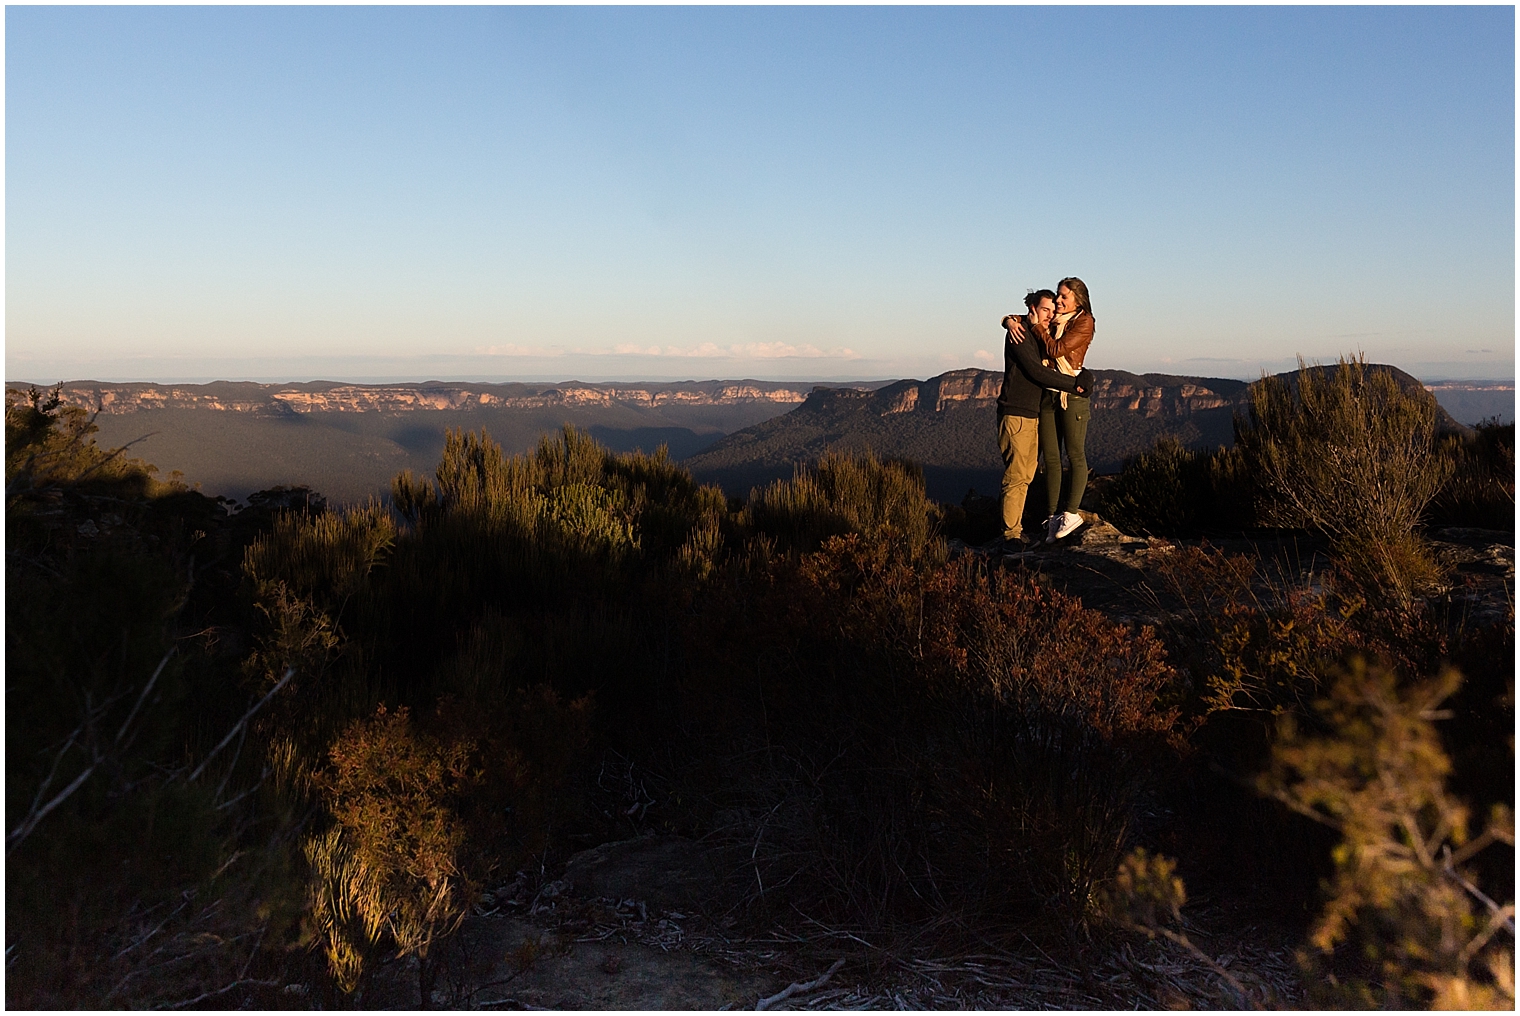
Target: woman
<point>1063,418</point>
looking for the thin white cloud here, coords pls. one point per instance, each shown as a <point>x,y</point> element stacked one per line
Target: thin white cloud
<point>513,349</point>
<point>748,350</point>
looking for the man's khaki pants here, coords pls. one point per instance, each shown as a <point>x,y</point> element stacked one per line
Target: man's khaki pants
<point>1019,441</point>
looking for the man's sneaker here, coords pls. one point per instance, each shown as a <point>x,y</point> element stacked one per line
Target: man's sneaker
<point>1069,523</point>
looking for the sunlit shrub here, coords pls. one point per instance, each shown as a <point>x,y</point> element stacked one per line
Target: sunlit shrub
<point>845,494</point>
<point>388,874</point>
<point>327,556</point>
<point>1404,925</point>
<point>1347,452</point>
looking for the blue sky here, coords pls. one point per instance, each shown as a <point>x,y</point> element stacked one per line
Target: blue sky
<point>289,193</point>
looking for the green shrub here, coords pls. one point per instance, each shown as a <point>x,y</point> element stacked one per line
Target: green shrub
<point>1404,925</point>
<point>1348,452</point>
<point>1481,490</point>
<point>1176,491</point>
<point>845,494</point>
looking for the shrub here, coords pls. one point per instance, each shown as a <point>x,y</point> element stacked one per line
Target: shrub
<point>845,494</point>
<point>1175,491</point>
<point>1481,490</point>
<point>1423,932</point>
<point>388,872</point>
<point>940,741</point>
<point>140,871</point>
<point>326,557</point>
<point>1347,452</point>
<point>1251,640</point>
<point>48,443</point>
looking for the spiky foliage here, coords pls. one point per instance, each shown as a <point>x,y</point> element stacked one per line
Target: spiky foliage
<point>1401,894</point>
<point>1176,491</point>
<point>388,873</point>
<point>1253,638</point>
<point>845,494</point>
<point>1347,452</point>
<point>1481,490</point>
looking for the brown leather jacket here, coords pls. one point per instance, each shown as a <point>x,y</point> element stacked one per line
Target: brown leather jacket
<point>1073,342</point>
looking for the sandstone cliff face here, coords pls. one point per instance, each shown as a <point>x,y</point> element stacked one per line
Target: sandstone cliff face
<point>1113,390</point>
<point>113,399</point>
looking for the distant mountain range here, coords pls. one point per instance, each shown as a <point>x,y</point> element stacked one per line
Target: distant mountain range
<point>947,425</point>
<point>348,440</point>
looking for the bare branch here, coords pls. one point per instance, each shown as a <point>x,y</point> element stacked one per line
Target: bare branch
<point>289,673</point>
<point>1451,872</point>
<point>143,697</point>
<point>24,830</point>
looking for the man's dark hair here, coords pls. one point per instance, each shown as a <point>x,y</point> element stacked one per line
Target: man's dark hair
<point>1036,295</point>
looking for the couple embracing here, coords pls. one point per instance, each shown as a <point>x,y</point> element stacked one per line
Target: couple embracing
<point>1045,403</point>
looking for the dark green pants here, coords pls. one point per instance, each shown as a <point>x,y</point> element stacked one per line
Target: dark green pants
<point>1069,427</point>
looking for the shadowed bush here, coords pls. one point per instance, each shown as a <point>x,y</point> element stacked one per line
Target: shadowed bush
<point>1481,490</point>
<point>1176,491</point>
<point>141,867</point>
<point>943,743</point>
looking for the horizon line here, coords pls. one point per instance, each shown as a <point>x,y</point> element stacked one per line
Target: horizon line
<point>555,379</point>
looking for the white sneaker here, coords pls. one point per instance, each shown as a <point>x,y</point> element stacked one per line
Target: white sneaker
<point>1069,522</point>
<point>1050,527</point>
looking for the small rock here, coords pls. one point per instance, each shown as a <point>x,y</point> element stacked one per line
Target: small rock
<point>87,528</point>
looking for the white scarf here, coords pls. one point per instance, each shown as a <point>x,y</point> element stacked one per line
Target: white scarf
<point>1062,365</point>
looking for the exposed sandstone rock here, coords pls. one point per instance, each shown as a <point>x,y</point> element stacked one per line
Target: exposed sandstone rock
<point>114,399</point>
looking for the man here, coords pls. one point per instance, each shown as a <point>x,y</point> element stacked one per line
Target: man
<point>1025,376</point>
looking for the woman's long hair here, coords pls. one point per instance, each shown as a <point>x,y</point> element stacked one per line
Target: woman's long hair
<point>1079,290</point>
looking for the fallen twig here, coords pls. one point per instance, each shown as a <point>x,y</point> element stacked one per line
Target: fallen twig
<point>798,988</point>
<point>219,991</point>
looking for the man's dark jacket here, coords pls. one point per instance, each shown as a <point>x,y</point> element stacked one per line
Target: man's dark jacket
<point>1025,376</point>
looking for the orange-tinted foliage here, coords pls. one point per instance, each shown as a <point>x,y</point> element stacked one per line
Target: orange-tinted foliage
<point>989,633</point>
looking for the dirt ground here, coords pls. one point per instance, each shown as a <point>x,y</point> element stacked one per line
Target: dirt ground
<point>638,925</point>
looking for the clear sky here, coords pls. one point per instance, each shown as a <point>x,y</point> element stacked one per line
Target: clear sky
<point>286,193</point>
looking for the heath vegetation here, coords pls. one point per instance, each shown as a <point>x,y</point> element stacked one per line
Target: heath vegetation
<point>273,744</point>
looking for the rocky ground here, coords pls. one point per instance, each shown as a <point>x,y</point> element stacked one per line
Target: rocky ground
<point>646,924</point>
